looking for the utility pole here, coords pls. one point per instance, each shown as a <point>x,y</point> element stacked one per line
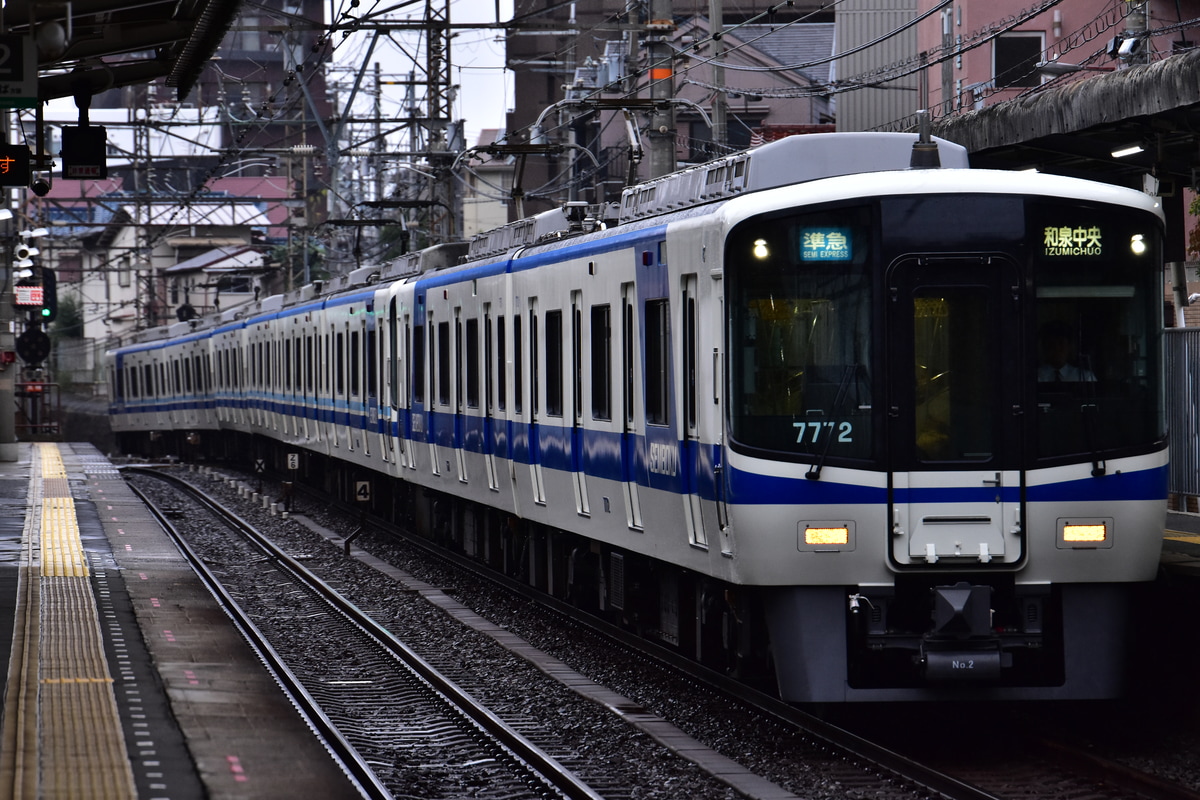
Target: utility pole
<point>662,88</point>
<point>1135,28</point>
<point>447,202</point>
<point>716,24</point>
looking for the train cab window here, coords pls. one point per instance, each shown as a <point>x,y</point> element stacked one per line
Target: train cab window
<point>953,385</point>
<point>658,362</point>
<point>1096,336</point>
<point>799,333</point>
<point>602,362</point>
<point>554,363</point>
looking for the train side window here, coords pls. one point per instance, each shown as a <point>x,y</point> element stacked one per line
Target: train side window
<point>371,359</point>
<point>132,381</point>
<point>658,330</point>
<point>628,343</point>
<point>340,355</point>
<point>120,380</point>
<point>534,362</point>
<point>601,363</point>
<point>418,362</point>
<point>472,348</point>
<point>394,353</point>
<point>518,365</point>
<point>308,363</point>
<point>689,356</point>
<point>355,362</point>
<point>501,363</point>
<point>148,379</point>
<point>554,360</point>
<point>458,359</point>
<point>443,363</point>
<point>177,383</point>
<point>576,358</point>
<point>489,382</point>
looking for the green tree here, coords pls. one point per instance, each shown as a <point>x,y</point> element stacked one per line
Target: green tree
<point>69,322</point>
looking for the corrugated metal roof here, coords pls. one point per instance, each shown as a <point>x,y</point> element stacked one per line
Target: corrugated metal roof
<point>220,259</point>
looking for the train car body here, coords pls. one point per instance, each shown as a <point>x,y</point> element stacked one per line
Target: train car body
<point>900,429</point>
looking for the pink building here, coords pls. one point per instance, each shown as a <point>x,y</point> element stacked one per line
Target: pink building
<point>978,54</point>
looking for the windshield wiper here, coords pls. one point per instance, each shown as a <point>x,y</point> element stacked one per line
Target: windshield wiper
<point>814,472</point>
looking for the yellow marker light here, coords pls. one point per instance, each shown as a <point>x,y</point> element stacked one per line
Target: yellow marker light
<point>826,536</point>
<point>1085,533</point>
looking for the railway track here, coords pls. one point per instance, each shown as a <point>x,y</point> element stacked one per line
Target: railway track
<point>863,764</point>
<point>367,695</point>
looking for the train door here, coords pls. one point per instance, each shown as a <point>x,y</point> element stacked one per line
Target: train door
<point>583,505</point>
<point>954,413</point>
<point>696,466</point>
<point>389,376</point>
<point>629,403</point>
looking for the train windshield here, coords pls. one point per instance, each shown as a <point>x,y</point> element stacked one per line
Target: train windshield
<point>1075,348</point>
<point>800,333</point>
<point>1097,329</point>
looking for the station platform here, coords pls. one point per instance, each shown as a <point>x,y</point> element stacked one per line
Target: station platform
<point>125,679</point>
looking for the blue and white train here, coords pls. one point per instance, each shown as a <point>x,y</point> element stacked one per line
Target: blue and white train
<point>880,432</point>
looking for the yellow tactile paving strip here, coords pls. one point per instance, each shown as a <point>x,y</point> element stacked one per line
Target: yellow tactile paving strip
<point>80,748</point>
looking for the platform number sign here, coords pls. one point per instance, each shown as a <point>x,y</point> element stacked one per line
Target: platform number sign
<point>293,461</point>
<point>18,72</point>
<point>362,491</point>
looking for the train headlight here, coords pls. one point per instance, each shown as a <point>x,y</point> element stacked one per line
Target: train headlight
<point>1075,534</point>
<point>819,536</point>
<point>1085,533</point>
<point>829,536</point>
<point>1137,244</point>
<point>761,250</point>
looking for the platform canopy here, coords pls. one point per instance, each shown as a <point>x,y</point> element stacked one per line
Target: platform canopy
<point>95,45</point>
<point>1075,128</point>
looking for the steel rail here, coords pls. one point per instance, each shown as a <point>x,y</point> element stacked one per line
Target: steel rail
<point>902,768</point>
<point>544,766</point>
<point>355,767</point>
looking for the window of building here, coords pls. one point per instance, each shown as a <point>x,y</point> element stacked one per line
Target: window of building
<point>1015,57</point>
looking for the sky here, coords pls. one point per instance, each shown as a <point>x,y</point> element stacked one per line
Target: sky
<point>476,58</point>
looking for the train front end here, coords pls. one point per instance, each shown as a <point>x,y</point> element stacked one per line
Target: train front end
<point>946,455</point>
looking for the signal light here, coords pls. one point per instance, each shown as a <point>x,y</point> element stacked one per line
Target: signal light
<point>49,295</point>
